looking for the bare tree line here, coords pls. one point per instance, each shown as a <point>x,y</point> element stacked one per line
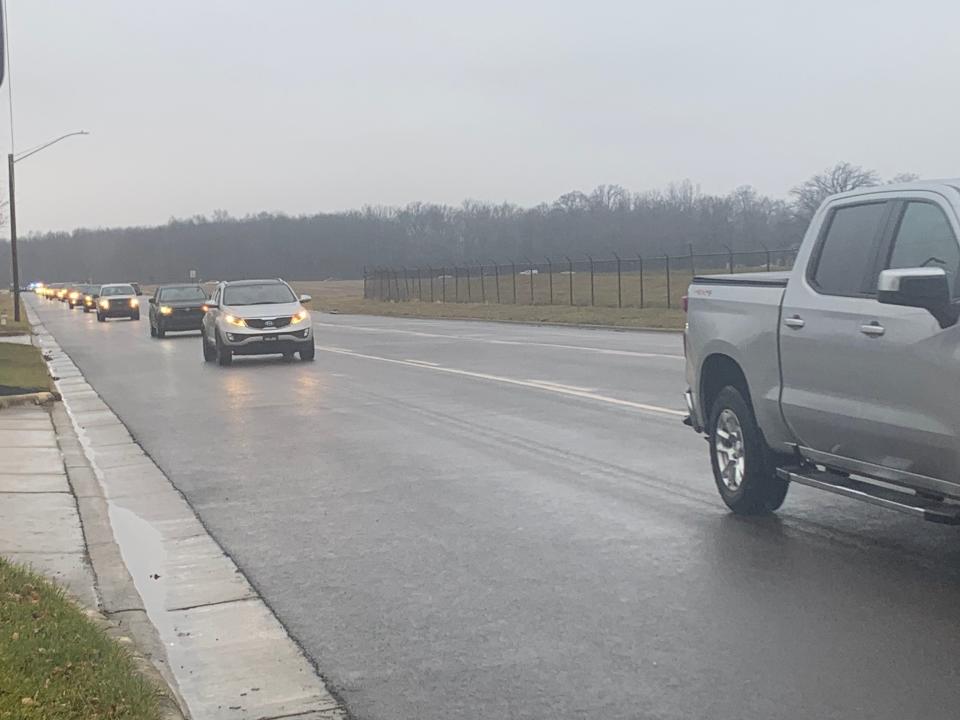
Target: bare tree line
<point>339,245</point>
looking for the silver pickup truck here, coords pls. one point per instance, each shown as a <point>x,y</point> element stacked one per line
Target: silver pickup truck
<point>844,373</point>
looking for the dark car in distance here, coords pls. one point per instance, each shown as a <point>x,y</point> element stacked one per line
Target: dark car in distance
<point>175,308</point>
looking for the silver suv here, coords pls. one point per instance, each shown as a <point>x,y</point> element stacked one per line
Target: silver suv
<point>256,317</point>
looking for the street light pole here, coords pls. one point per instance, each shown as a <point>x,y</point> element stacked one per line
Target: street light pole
<point>13,241</point>
<point>11,159</point>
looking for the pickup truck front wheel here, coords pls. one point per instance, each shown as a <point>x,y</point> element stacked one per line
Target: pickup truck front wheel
<point>743,465</point>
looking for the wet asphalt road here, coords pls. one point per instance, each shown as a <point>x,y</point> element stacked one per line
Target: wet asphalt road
<point>466,520</point>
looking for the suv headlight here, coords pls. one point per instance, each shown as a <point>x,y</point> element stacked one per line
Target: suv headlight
<point>105,304</point>
<point>299,316</point>
<point>234,320</point>
<point>166,310</point>
<point>134,302</point>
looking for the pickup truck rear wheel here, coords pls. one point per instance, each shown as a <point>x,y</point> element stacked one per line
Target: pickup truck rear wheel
<point>744,468</point>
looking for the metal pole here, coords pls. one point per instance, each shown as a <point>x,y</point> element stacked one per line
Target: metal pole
<point>640,258</point>
<point>767,251</point>
<point>513,266</point>
<point>443,284</point>
<point>469,298</point>
<point>396,283</point>
<point>530,264</point>
<point>406,286</point>
<point>619,283</point>
<point>570,276</point>
<point>432,275</point>
<point>419,284</point>
<point>13,241</point>
<point>456,284</point>
<point>483,289</point>
<point>550,274</point>
<point>729,257</point>
<point>591,281</point>
<point>693,270</point>
<point>365,297</point>
<point>667,259</point>
<point>496,270</point>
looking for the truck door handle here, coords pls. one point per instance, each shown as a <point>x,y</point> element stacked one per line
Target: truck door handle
<point>795,322</point>
<point>874,329</point>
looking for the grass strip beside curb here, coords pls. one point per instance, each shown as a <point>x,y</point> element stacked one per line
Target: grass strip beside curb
<point>57,664</point>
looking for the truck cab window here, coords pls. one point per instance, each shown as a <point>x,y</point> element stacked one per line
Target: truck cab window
<point>848,248</point>
<point>925,239</point>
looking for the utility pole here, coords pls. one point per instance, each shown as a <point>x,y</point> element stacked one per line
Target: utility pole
<point>11,160</point>
<point>13,241</point>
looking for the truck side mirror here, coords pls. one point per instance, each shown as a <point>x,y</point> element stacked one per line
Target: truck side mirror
<point>923,287</point>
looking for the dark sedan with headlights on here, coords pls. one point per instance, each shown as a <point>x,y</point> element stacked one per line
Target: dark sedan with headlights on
<point>176,307</point>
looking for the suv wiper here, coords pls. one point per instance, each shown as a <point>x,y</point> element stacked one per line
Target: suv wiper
<point>270,302</point>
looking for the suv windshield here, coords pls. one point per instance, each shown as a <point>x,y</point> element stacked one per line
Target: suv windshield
<point>110,290</point>
<point>266,294</point>
<point>174,294</point>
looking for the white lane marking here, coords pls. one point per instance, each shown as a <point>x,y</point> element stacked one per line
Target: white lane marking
<point>490,341</point>
<point>572,392</point>
<point>423,362</point>
<point>561,385</point>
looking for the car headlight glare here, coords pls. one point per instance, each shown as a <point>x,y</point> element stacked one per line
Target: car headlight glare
<point>134,302</point>
<point>105,304</point>
<point>166,310</point>
<point>299,316</point>
<point>234,320</point>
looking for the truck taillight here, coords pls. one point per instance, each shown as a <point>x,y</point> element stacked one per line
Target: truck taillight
<point>684,302</point>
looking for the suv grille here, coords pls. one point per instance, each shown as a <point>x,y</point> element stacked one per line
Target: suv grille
<point>264,323</point>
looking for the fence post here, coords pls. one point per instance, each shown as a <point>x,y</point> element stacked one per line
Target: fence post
<point>640,258</point>
<point>469,296</point>
<point>767,251</point>
<point>443,284</point>
<point>513,266</point>
<point>570,276</point>
<point>693,269</point>
<point>456,284</point>
<point>396,282</point>
<point>365,297</point>
<point>379,273</point>
<point>550,278</point>
<point>419,284</point>
<point>483,290</point>
<point>496,272</point>
<point>667,259</point>
<point>729,257</point>
<point>406,286</point>
<point>591,281</point>
<point>619,283</point>
<point>530,265</point>
<point>433,274</point>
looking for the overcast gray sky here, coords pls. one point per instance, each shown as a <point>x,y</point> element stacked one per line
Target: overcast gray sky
<point>320,105</point>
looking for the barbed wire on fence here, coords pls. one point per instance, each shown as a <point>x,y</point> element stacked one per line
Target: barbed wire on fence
<point>618,281</point>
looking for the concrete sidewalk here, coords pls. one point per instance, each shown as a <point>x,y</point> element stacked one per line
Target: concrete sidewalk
<point>39,520</point>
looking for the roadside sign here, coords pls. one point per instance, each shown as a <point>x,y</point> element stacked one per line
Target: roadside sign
<point>193,274</point>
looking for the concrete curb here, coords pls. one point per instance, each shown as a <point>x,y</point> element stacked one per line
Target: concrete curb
<point>226,654</point>
<point>114,586</point>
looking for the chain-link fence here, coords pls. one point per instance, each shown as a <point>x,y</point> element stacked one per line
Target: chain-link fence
<point>620,281</point>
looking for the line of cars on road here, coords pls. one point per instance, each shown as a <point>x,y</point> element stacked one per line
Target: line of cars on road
<point>242,317</point>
